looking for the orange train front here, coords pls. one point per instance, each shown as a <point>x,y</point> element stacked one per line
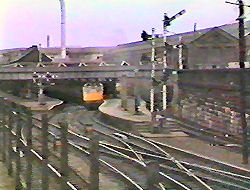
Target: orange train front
<point>93,93</point>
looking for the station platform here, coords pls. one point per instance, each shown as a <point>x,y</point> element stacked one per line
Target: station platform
<point>113,108</point>
<point>184,142</point>
<point>32,104</point>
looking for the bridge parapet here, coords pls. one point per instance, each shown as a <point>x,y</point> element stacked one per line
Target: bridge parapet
<point>26,73</point>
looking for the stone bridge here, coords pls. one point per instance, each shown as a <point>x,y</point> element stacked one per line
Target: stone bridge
<point>84,72</point>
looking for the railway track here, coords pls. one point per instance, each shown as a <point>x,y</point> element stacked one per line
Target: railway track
<point>219,167</point>
<point>181,175</point>
<point>82,148</point>
<point>127,158</point>
<point>215,138</point>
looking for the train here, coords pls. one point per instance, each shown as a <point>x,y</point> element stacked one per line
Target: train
<point>93,93</point>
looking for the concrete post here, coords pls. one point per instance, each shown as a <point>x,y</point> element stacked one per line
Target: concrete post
<point>45,151</point>
<point>64,154</point>
<point>18,159</point>
<point>28,157</point>
<point>94,162</point>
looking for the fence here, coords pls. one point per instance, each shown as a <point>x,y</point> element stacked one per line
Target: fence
<point>29,153</point>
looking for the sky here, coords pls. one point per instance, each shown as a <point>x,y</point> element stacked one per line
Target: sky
<point>92,23</point>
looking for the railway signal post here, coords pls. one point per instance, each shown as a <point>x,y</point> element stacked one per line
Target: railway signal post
<point>152,93</point>
<point>166,22</point>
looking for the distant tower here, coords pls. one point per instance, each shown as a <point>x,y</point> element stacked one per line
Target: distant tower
<point>63,29</point>
<point>48,41</point>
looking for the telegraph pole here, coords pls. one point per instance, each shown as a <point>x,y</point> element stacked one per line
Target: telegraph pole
<point>242,40</point>
<point>242,57</point>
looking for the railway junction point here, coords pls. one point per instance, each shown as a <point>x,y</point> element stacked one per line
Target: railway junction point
<point>179,140</point>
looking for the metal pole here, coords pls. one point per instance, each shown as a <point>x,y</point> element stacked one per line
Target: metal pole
<point>165,43</point>
<point>152,72</point>
<point>164,87</point>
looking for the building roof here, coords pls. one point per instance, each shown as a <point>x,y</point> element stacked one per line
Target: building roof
<point>188,37</point>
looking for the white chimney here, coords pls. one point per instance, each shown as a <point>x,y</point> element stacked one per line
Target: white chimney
<point>63,29</point>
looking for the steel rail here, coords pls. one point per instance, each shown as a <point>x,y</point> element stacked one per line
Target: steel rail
<point>126,144</point>
<point>127,157</point>
<point>182,151</point>
<point>221,172</point>
<point>212,179</point>
<point>203,157</point>
<point>101,144</point>
<point>119,153</point>
<point>109,166</point>
<point>175,181</point>
<point>228,175</point>
<point>178,164</point>
<point>105,163</point>
<point>168,177</point>
<point>109,145</point>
